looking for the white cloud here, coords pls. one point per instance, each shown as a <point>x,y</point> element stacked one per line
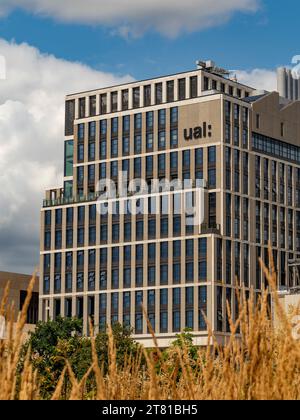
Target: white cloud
<point>31,142</point>
<point>168,17</point>
<point>258,78</point>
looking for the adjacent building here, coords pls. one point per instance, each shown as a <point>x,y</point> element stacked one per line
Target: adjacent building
<point>18,284</point>
<point>287,84</point>
<point>238,152</point>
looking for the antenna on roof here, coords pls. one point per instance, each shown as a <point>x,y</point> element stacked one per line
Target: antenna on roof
<point>211,67</point>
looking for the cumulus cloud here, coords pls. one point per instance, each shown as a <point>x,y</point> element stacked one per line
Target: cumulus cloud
<point>168,17</point>
<point>31,142</point>
<point>258,78</point>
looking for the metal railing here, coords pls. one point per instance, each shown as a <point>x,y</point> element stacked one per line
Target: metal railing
<point>62,200</point>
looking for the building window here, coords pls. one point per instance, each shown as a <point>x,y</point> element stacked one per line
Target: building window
<point>164,227</point>
<point>114,147</point>
<point>126,124</point>
<point>47,241</point>
<point>82,108</point>
<point>103,129</point>
<point>151,276</point>
<point>177,225</point>
<point>161,164</point>
<point>176,249</point>
<point>103,280</point>
<point>91,280</point>
<point>115,255</point>
<point>127,278</point>
<point>136,97</point>
<point>69,282</point>
<point>137,144</point>
<point>47,258</point>
<point>151,299</point>
<point>115,232</point>
<point>181,89</point>
<point>115,303</point>
<point>202,269</point>
<point>189,296</point>
<point>127,231</point>
<point>164,322</point>
<point>69,158</point>
<point>114,101</point>
<point>103,103</point>
<point>139,230</point>
<point>164,274</point>
<point>46,286</point>
<point>189,272</point>
<point>193,87</point>
<point>139,253</point>
<point>161,140</point>
<point>152,228</point>
<point>69,117</point>
<point>137,168</point>
<point>137,122</point>
<point>149,142</point>
<point>189,319</point>
<point>257,121</point>
<point>149,120</point>
<point>147,95</point>
<point>170,91</point>
<point>176,273</point>
<point>176,321</point>
<point>126,146</point>
<point>138,323</point>
<point>125,96</point>
<point>158,93</point>
<point>206,83</point>
<point>115,278</point>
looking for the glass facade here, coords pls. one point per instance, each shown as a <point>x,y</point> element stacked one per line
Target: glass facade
<point>109,265</point>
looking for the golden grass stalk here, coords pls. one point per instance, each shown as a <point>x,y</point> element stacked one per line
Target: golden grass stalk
<point>258,361</point>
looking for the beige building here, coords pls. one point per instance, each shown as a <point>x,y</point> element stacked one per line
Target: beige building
<point>18,284</point>
<point>101,259</point>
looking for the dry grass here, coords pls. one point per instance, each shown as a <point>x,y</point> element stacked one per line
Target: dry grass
<point>263,363</point>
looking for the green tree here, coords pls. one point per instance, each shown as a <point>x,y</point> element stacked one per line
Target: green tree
<point>50,344</point>
<point>123,341</point>
<point>184,340</point>
<point>54,342</point>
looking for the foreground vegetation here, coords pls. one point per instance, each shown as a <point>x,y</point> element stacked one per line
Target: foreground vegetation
<point>56,363</point>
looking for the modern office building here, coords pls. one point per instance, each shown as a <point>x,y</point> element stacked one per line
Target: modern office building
<point>102,260</point>
<point>287,85</point>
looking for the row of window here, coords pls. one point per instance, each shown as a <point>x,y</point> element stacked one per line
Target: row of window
<point>277,225</point>
<point>277,182</point>
<point>237,217</point>
<point>165,252</point>
<point>236,171</point>
<point>276,148</point>
<point>141,96</point>
<point>232,265</point>
<point>281,264</point>
<point>136,318</point>
<point>133,228</point>
<point>135,168</point>
<point>163,140</point>
<point>236,113</point>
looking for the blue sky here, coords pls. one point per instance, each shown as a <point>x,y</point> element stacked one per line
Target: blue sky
<point>264,39</point>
